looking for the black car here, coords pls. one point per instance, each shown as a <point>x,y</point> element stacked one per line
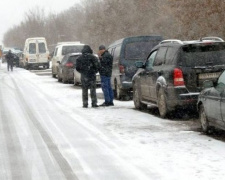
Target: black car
<point>173,74</point>
<point>16,60</point>
<point>211,104</point>
<point>125,52</point>
<point>66,67</point>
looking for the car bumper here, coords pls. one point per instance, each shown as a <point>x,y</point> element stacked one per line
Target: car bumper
<point>38,64</point>
<point>68,73</point>
<point>126,85</point>
<point>180,97</point>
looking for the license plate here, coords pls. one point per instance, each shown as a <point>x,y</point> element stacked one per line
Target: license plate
<point>32,60</point>
<point>209,75</point>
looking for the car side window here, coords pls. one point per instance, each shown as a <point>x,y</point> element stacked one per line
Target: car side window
<point>55,53</point>
<point>116,54</point>
<point>160,57</point>
<point>221,82</point>
<point>170,54</point>
<point>64,59</point>
<point>150,60</point>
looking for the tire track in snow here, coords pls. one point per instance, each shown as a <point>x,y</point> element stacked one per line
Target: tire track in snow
<point>52,147</point>
<point>19,169</point>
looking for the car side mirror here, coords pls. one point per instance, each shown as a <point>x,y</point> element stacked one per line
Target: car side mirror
<point>139,64</point>
<point>208,84</point>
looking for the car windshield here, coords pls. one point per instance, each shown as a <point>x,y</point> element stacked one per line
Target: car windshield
<point>138,50</point>
<point>71,49</point>
<point>203,55</point>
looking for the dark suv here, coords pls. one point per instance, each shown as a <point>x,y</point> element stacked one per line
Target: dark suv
<point>174,72</point>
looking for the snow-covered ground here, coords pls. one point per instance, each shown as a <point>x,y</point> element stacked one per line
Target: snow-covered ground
<point>105,143</point>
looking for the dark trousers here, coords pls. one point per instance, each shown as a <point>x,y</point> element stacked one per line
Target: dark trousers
<point>107,89</point>
<point>88,84</point>
<point>10,65</point>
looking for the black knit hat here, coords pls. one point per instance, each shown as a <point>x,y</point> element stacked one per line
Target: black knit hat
<point>101,47</point>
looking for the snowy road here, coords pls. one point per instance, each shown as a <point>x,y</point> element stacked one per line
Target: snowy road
<point>45,134</point>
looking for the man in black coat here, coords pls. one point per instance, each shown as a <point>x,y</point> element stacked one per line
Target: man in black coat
<point>106,63</point>
<point>87,64</point>
<point>9,57</point>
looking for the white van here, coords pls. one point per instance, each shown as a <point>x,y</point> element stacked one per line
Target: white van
<point>35,53</point>
<point>61,50</point>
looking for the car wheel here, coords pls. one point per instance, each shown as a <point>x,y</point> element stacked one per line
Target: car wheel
<point>75,83</point>
<point>117,92</point>
<point>204,121</point>
<point>59,79</point>
<point>53,75</point>
<point>64,81</point>
<point>162,106</point>
<point>136,98</point>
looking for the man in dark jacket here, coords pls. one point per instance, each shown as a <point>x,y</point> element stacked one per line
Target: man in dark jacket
<point>106,62</point>
<point>87,64</point>
<point>9,57</point>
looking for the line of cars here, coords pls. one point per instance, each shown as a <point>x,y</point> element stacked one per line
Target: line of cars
<point>175,75</point>
<point>170,74</point>
<point>64,61</point>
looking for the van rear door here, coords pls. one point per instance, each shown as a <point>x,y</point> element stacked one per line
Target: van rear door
<point>32,50</point>
<point>42,52</point>
<point>37,50</point>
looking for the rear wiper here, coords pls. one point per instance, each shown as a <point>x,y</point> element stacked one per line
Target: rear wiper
<point>219,67</point>
<point>215,67</point>
<point>199,67</point>
<point>209,63</point>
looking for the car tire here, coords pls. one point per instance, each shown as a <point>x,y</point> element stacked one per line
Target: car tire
<point>117,92</point>
<point>53,75</point>
<point>162,105</point>
<point>59,79</point>
<point>64,81</point>
<point>136,98</point>
<point>204,120</point>
<point>75,83</point>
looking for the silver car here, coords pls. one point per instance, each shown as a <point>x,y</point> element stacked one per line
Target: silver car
<point>66,67</point>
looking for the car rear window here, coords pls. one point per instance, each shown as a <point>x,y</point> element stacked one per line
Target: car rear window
<point>73,58</point>
<point>71,49</point>
<point>139,50</point>
<point>32,48</point>
<point>41,47</point>
<point>202,55</point>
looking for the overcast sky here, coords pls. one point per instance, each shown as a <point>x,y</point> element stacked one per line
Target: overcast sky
<point>12,11</point>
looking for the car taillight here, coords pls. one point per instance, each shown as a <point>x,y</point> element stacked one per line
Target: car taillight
<point>122,69</point>
<point>178,79</point>
<point>69,64</point>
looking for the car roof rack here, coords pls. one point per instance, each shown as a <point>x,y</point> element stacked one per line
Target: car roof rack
<point>175,41</point>
<point>211,38</point>
<point>68,42</point>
